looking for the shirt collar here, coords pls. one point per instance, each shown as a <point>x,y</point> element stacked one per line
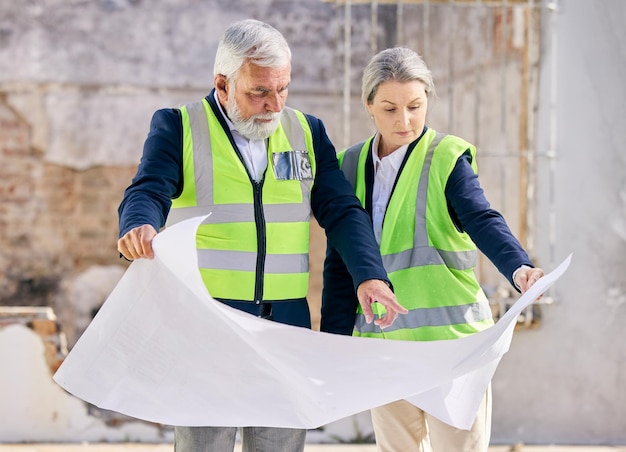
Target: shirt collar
<point>394,159</point>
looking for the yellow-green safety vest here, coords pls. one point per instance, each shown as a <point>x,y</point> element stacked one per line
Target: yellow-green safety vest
<point>430,263</point>
<point>254,245</point>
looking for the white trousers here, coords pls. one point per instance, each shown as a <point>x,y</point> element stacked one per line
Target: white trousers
<point>402,427</point>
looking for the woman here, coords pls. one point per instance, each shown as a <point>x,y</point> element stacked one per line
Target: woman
<point>429,215</point>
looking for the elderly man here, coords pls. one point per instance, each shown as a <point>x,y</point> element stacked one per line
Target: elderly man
<point>260,169</point>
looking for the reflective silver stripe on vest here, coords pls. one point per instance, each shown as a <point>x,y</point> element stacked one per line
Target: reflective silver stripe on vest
<point>420,317</point>
<point>417,257</point>
<point>202,163</point>
<point>241,213</point>
<point>202,153</point>
<point>246,261</point>
<point>203,172</point>
<point>294,130</point>
<point>423,254</point>
<point>350,163</point>
<point>420,238</point>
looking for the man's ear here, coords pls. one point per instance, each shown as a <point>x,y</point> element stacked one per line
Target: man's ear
<point>221,86</point>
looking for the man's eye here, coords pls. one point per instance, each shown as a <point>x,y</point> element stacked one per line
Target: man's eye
<point>258,95</point>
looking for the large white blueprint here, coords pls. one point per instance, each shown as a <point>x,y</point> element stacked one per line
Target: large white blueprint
<point>161,349</point>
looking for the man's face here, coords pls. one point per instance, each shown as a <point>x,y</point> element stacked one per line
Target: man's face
<point>254,103</point>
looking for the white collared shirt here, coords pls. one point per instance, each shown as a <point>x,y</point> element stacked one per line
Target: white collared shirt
<point>385,173</point>
<point>254,152</point>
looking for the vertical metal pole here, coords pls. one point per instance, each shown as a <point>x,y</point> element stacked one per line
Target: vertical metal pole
<point>451,42</point>
<point>374,26</point>
<point>503,63</point>
<point>478,83</point>
<point>530,148</point>
<point>552,152</point>
<point>346,71</point>
<point>399,30</point>
<point>426,31</point>
<point>477,105</point>
<point>503,103</point>
<point>523,126</point>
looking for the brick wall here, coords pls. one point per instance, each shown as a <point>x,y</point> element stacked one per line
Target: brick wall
<point>78,85</point>
<point>54,220</point>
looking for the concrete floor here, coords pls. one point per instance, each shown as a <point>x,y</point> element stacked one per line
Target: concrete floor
<point>308,448</point>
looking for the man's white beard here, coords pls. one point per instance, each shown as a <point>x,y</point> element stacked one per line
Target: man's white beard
<point>248,127</point>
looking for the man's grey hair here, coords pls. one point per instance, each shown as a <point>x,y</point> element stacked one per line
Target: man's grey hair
<point>250,40</point>
<point>399,64</point>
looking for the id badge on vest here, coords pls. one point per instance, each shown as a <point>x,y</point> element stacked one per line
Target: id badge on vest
<point>292,165</point>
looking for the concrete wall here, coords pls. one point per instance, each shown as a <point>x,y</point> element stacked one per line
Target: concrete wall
<point>565,382</point>
<point>80,80</point>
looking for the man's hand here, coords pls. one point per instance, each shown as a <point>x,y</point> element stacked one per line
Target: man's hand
<point>526,277</point>
<point>137,243</point>
<point>375,290</point>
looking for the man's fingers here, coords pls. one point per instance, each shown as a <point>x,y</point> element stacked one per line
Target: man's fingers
<point>124,249</point>
<point>137,243</point>
<point>146,247</point>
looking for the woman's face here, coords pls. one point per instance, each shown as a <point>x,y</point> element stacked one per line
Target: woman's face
<point>399,111</point>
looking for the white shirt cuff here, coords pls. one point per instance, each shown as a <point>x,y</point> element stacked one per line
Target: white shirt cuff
<point>515,273</point>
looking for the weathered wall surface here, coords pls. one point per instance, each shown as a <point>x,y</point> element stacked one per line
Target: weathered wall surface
<point>565,382</point>
<point>78,84</point>
<point>80,80</point>
<point>35,409</point>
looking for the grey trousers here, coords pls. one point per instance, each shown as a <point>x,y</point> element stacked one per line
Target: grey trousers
<point>253,439</point>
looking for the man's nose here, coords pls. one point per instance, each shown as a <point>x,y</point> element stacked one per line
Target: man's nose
<point>275,102</point>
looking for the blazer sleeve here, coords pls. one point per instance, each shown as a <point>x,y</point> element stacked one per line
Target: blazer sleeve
<point>488,229</point>
<point>347,225</point>
<point>339,301</point>
<point>159,175</point>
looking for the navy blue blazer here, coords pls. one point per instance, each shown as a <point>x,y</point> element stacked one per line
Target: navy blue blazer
<point>159,179</point>
<point>469,210</point>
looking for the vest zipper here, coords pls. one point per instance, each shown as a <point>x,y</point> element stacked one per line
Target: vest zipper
<point>259,219</point>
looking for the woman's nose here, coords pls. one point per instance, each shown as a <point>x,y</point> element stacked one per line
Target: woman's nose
<point>404,118</point>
